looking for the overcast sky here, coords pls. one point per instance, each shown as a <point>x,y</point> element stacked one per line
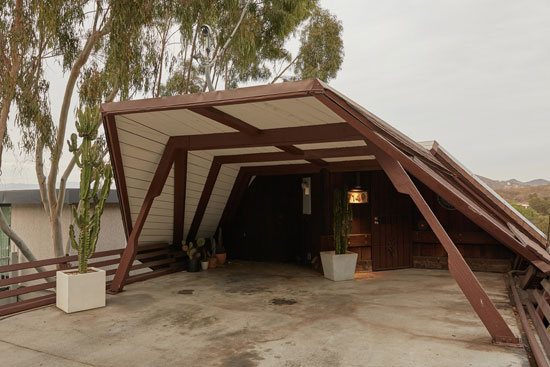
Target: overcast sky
<point>473,75</point>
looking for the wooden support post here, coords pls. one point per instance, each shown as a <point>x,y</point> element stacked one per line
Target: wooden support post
<point>203,201</point>
<point>180,180</point>
<point>111,134</point>
<point>458,267</point>
<point>155,189</point>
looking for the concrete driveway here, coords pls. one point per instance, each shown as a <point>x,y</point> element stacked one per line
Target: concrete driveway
<point>256,314</point>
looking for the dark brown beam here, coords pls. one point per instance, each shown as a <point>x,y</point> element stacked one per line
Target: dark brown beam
<point>113,145</point>
<point>272,137</point>
<point>290,149</point>
<point>203,201</point>
<point>458,267</point>
<point>306,155</point>
<point>180,181</point>
<point>226,119</point>
<point>318,162</point>
<point>155,189</point>
<point>238,190</point>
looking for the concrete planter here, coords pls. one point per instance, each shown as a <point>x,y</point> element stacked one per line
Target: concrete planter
<point>338,267</point>
<point>78,292</point>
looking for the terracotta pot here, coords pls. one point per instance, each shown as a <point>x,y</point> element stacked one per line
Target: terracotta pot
<point>212,262</point>
<point>221,258</point>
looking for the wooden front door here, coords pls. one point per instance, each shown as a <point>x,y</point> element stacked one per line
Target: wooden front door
<point>391,225</point>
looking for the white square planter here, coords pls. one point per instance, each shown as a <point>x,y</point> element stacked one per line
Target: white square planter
<point>78,292</point>
<point>339,267</point>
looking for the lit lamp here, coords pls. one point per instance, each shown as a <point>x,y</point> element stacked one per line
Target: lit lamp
<point>357,195</point>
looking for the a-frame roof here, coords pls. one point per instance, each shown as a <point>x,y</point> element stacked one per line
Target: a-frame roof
<point>300,126</point>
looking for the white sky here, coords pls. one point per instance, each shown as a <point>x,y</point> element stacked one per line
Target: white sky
<point>473,75</point>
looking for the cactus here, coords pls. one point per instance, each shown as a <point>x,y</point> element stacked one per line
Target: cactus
<point>342,217</point>
<point>89,158</point>
<point>194,250</point>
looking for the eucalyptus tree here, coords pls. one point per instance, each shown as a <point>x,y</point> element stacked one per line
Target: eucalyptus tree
<point>250,44</point>
<point>98,46</point>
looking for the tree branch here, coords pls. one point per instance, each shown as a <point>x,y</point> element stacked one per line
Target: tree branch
<point>285,69</point>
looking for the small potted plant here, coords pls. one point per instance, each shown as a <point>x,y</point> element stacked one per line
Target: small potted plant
<point>194,255</point>
<point>212,254</point>
<point>221,255</point>
<point>340,264</point>
<point>84,288</point>
<point>204,257</point>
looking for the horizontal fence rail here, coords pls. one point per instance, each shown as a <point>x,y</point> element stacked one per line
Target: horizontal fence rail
<point>37,289</point>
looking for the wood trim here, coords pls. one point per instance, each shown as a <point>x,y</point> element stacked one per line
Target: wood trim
<point>180,182</point>
<point>155,189</point>
<point>271,137</point>
<point>226,119</point>
<point>302,88</point>
<point>111,135</point>
<point>459,269</point>
<point>205,197</point>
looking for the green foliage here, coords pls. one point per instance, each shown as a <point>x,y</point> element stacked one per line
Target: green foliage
<point>540,204</point>
<point>194,250</point>
<point>540,220</point>
<point>322,51</point>
<point>93,172</point>
<point>342,221</point>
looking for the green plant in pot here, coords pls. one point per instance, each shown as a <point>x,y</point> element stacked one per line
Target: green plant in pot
<point>83,289</point>
<point>340,263</point>
<point>201,242</point>
<point>193,251</point>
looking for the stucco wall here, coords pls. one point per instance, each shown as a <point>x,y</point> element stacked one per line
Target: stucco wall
<point>32,224</point>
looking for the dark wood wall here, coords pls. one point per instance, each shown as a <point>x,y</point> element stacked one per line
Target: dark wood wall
<point>387,233</point>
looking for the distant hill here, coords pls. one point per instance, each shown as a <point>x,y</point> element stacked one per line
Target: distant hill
<point>513,183</point>
<point>517,191</point>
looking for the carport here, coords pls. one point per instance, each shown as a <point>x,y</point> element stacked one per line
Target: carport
<point>181,164</point>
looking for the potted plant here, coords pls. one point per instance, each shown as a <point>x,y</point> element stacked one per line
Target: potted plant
<point>204,257</point>
<point>84,288</point>
<point>212,254</point>
<point>194,255</point>
<point>221,255</point>
<point>340,263</point>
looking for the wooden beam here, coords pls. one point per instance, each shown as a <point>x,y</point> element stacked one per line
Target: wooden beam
<point>312,154</point>
<point>113,145</point>
<point>205,197</point>
<point>459,269</point>
<point>180,181</point>
<point>239,188</point>
<point>290,149</point>
<point>272,137</point>
<point>226,119</point>
<point>155,189</point>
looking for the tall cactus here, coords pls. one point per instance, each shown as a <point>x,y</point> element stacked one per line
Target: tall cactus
<point>89,158</point>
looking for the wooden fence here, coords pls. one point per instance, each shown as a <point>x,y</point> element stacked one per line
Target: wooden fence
<point>36,289</point>
<point>531,291</point>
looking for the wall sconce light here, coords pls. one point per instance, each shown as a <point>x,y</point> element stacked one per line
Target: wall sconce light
<point>357,195</point>
<point>306,187</point>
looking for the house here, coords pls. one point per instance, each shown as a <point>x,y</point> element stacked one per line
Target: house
<point>24,210</point>
<point>258,166</point>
